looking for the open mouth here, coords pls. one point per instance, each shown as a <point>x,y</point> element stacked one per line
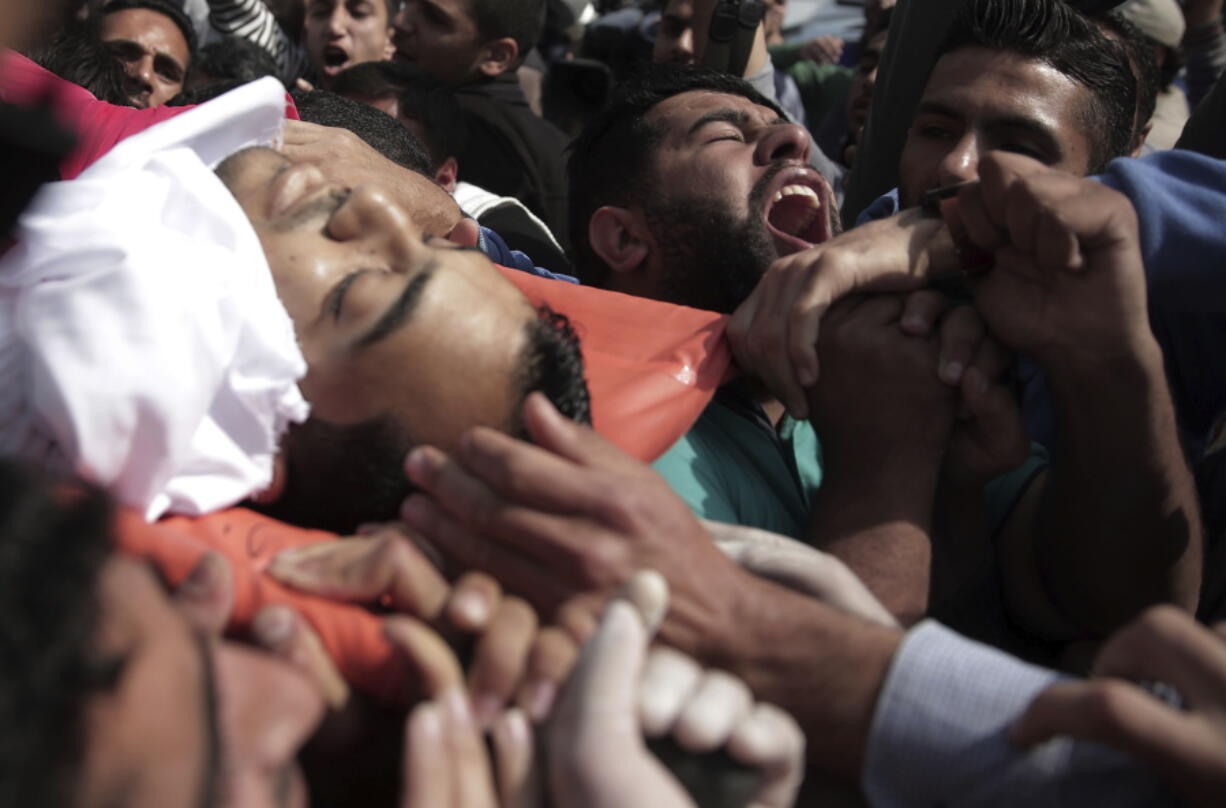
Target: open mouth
<point>798,214</point>
<point>335,59</point>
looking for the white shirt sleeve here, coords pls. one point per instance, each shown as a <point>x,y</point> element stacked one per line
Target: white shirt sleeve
<point>939,736</point>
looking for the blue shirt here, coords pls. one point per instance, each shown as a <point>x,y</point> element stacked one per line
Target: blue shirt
<point>497,251</point>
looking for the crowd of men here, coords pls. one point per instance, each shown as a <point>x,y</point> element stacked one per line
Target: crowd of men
<point>513,403</point>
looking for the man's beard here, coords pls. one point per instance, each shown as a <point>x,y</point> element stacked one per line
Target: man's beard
<point>339,477</point>
<point>712,259</point>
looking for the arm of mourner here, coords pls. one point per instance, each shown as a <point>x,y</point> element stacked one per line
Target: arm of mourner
<point>570,515</point>
<point>1113,525</point>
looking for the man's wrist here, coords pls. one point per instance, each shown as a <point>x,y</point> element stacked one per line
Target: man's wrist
<point>824,667</point>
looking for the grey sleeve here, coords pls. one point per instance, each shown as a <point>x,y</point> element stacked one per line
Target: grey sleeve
<point>939,736</point>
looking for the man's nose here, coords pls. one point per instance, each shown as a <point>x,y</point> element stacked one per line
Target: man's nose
<point>372,218</point>
<point>961,163</point>
<point>140,77</point>
<point>685,45</point>
<point>785,141</point>
<point>337,21</point>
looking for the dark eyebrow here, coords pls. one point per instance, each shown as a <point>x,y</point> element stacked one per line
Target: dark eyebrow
<point>1009,122</point>
<point>211,788</point>
<point>738,117</point>
<point>400,311</point>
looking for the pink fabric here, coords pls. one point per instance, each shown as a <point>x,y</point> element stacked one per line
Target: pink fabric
<point>98,125</point>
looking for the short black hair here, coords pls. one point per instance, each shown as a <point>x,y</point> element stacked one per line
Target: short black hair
<point>54,542</point>
<point>175,13</point>
<point>521,20</point>
<point>76,54</point>
<point>341,476</point>
<point>1141,58</point>
<point>1055,33</point>
<point>234,58</point>
<point>552,364</point>
<point>422,98</point>
<point>378,129</point>
<point>610,159</point>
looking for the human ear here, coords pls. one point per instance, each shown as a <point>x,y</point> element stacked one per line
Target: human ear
<point>447,175</point>
<point>620,238</point>
<point>1139,142</point>
<point>498,56</point>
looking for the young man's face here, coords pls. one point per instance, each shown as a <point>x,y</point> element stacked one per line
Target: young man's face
<point>153,51</point>
<point>733,190</point>
<point>342,33</point>
<point>191,719</point>
<point>425,333</point>
<point>441,37</point>
<point>674,42</point>
<point>979,100</point>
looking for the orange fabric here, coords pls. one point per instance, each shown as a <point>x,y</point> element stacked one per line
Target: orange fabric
<point>352,635</point>
<point>652,367</point>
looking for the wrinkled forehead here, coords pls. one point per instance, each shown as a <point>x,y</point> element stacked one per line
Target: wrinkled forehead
<point>680,114</point>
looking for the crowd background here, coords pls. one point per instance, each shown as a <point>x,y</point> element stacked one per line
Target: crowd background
<point>944,526</point>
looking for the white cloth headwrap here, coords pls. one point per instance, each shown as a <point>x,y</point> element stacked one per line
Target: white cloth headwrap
<point>142,344</point>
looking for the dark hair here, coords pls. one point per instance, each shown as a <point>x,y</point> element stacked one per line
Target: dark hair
<point>1058,35</point>
<point>341,476</point>
<point>235,58</point>
<point>552,363</point>
<point>378,129</point>
<point>422,97</point>
<point>76,54</point>
<point>1140,59</point>
<point>204,93</point>
<point>175,13</point>
<point>610,158</point>
<point>521,20</point>
<point>53,544</point>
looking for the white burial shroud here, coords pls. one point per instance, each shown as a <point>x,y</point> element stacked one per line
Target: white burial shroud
<point>142,344</point>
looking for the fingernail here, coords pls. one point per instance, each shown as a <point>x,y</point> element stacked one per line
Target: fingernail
<point>807,377</point>
<point>418,465</point>
<point>428,723</point>
<point>273,626</point>
<point>915,325</point>
<point>486,708</point>
<point>952,372</point>
<point>455,705</point>
<point>540,700</point>
<point>516,725</point>
<point>472,607</point>
<point>368,529</point>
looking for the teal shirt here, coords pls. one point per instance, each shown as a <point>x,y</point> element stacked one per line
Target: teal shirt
<point>733,466</point>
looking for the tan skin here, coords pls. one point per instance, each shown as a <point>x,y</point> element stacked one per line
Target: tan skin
<point>149,738</point>
<point>153,51</point>
<point>342,33</point>
<point>979,101</point>
<point>716,146</point>
<point>340,259</point>
<point>441,36</point>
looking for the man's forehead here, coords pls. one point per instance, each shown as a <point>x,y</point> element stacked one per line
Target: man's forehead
<point>1001,79</point>
<point>678,113</point>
